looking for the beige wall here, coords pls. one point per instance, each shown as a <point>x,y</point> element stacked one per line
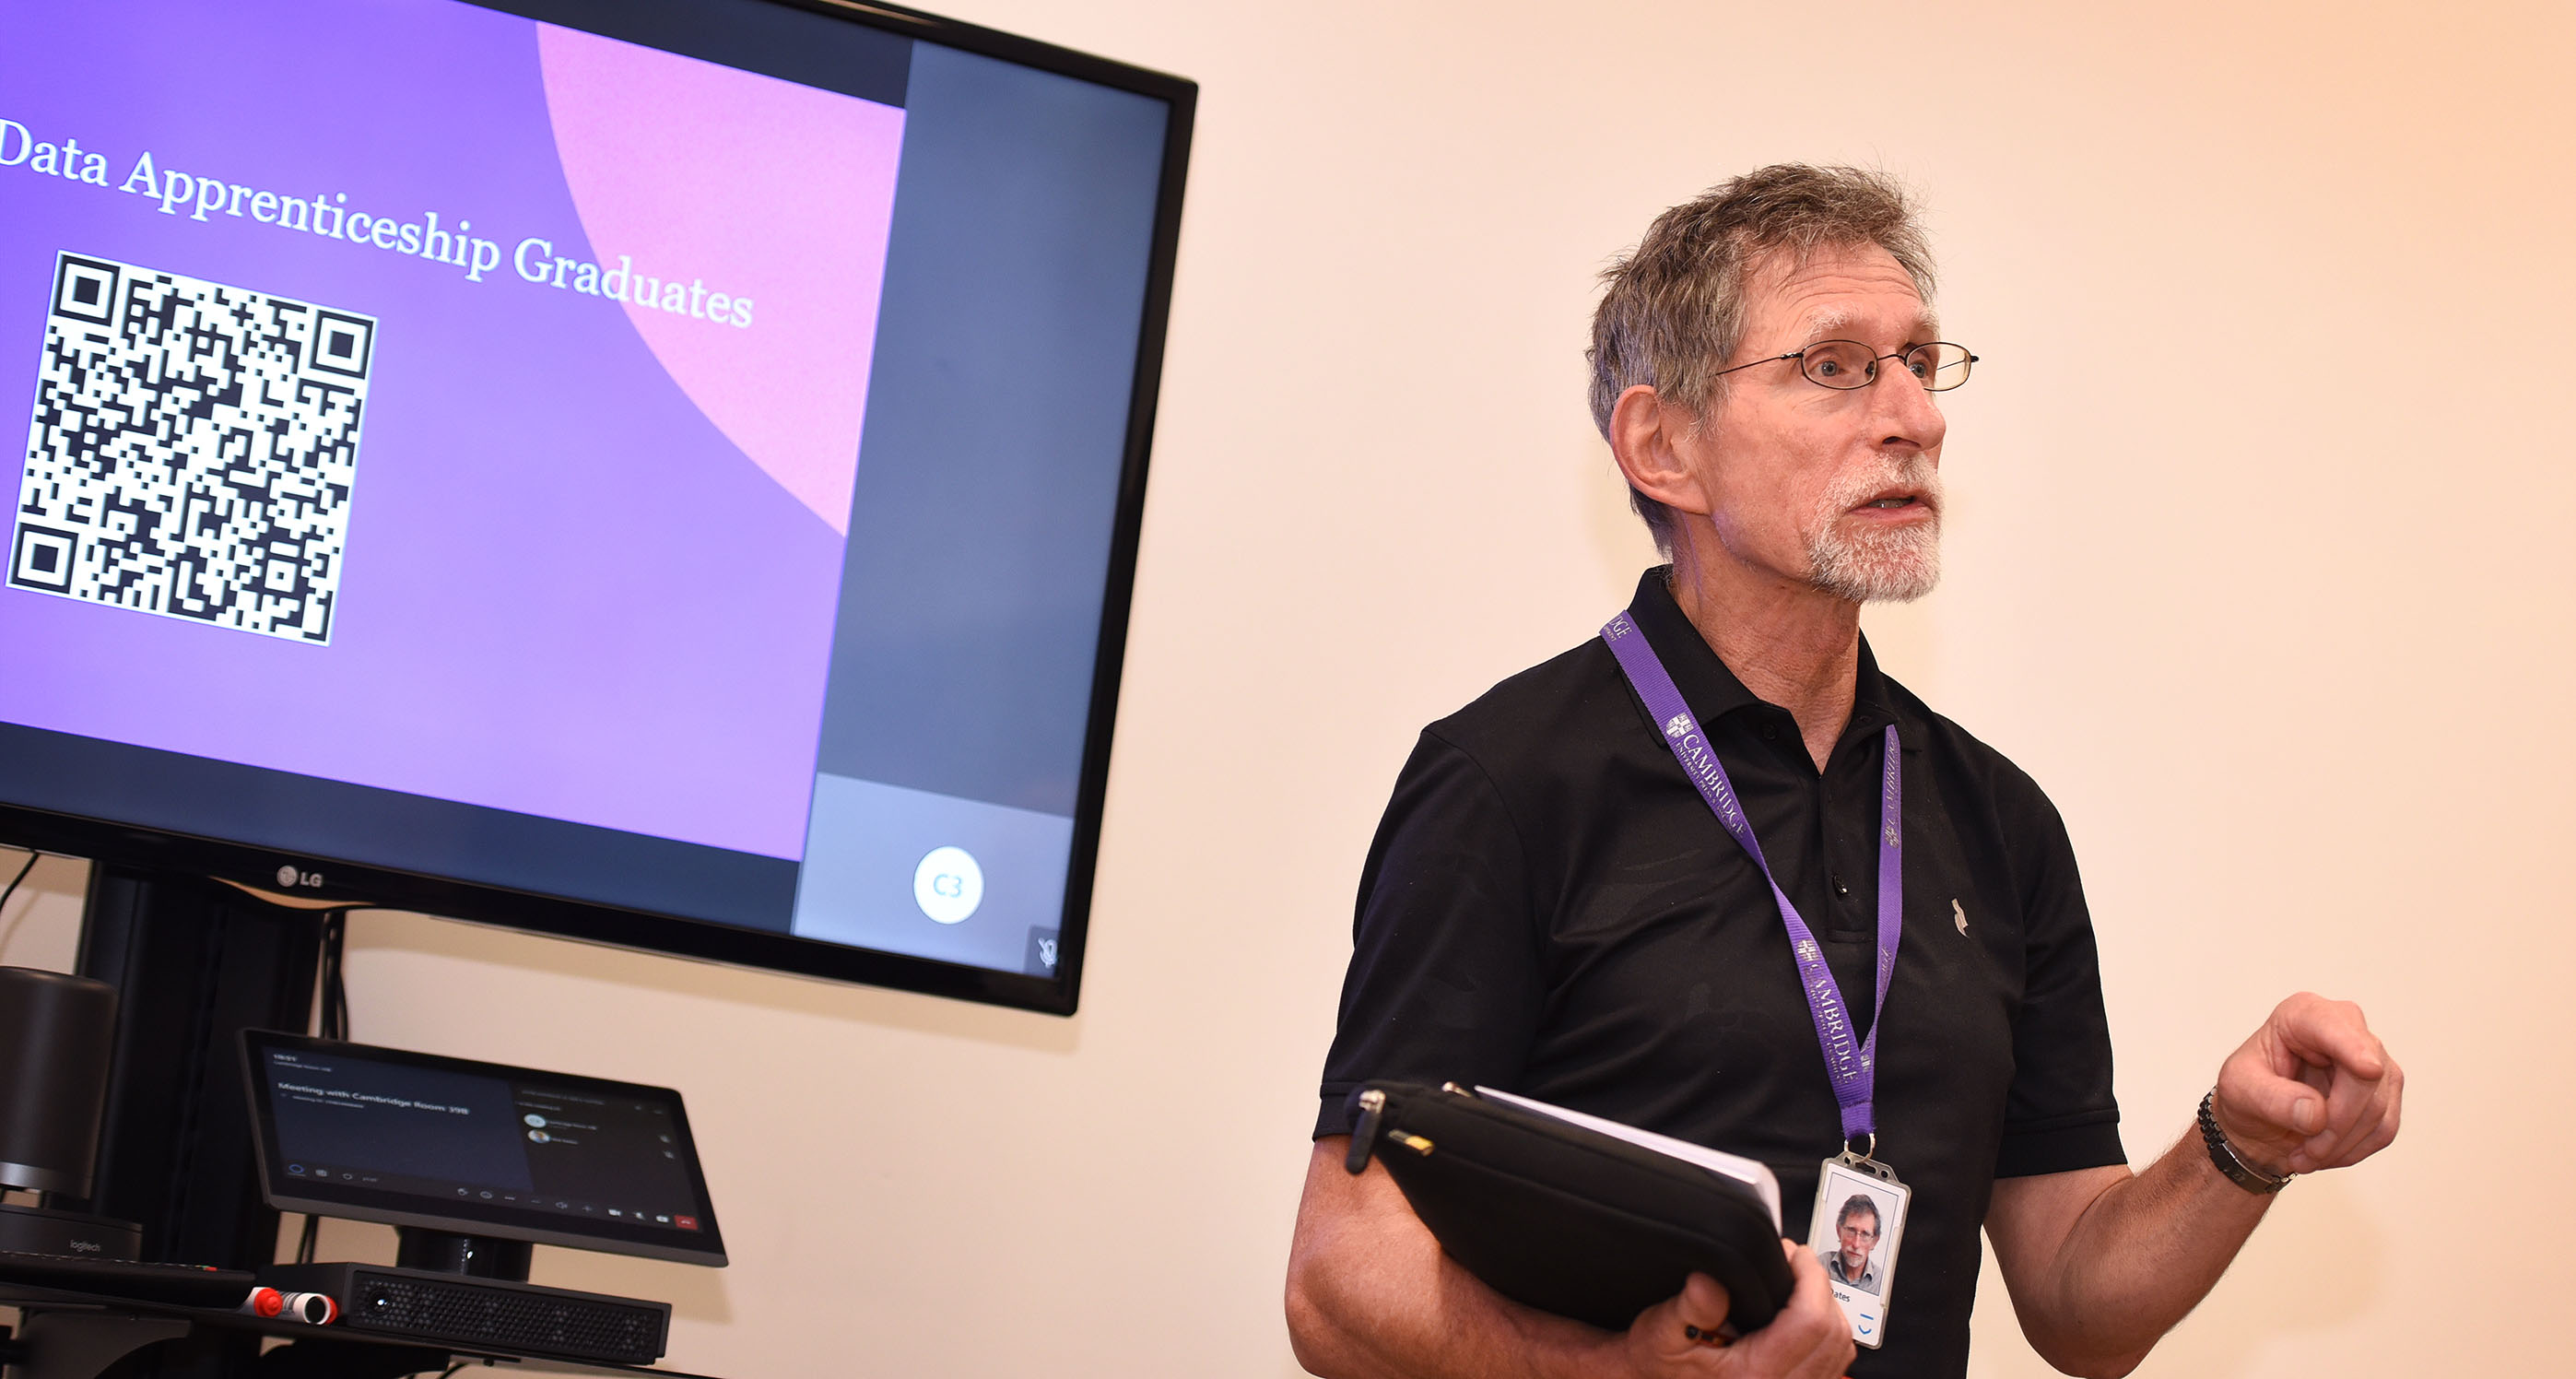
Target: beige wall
<point>2259,561</point>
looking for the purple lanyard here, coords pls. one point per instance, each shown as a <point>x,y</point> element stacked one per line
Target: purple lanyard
<point>1852,1066</point>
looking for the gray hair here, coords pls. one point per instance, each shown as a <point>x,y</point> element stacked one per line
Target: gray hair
<point>1858,1204</point>
<point>1674,311</point>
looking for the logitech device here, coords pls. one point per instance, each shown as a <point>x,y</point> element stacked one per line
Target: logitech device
<point>71,1234</point>
<point>56,1034</point>
<point>477,1150</point>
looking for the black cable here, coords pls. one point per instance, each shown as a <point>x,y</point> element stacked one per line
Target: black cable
<point>334,1021</point>
<point>335,987</point>
<point>334,1025</point>
<point>32,855</point>
<point>12,889</point>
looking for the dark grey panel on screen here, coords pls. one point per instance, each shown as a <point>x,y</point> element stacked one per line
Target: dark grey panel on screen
<point>997,420</point>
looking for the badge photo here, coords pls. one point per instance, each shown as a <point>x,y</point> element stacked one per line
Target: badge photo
<point>1859,1223</point>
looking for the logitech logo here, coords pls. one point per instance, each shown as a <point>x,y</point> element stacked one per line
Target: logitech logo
<point>87,1247</point>
<point>1678,727</point>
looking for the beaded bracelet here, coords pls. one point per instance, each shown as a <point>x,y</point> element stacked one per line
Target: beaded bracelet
<point>2223,1154</point>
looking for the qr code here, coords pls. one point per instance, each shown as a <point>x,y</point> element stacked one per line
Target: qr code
<point>193,450</point>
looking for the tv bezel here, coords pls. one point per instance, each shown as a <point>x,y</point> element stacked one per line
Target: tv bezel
<point>286,1192</point>
<point>350,884</point>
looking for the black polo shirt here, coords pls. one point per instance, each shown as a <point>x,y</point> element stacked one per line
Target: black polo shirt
<point>1551,909</point>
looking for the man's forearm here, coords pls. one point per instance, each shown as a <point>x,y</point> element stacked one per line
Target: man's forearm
<point>1371,1296</point>
<point>2139,1257</point>
<point>1430,1319</point>
<point>2102,1263</point>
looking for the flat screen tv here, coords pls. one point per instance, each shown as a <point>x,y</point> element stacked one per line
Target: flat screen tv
<point>660,472</point>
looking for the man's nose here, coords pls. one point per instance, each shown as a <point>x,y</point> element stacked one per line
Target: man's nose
<point>1905,411</point>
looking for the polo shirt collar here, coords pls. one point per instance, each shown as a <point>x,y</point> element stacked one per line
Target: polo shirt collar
<point>1713,691</point>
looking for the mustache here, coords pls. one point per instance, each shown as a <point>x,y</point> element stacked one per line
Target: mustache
<point>1915,474</point>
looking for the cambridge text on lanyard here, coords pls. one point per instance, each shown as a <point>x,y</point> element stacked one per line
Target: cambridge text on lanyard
<point>1850,1062</point>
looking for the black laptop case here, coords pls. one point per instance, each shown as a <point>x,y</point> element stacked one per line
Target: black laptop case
<point>1564,1218</point>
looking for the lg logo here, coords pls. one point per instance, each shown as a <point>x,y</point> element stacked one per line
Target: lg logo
<point>287,875</point>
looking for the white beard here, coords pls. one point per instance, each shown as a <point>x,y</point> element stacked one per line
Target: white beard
<point>1897,565</point>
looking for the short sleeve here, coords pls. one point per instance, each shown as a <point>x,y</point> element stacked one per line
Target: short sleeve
<point>2060,1114</point>
<point>1445,978</point>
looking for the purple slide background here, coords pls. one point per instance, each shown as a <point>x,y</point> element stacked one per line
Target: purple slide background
<point>566,593</point>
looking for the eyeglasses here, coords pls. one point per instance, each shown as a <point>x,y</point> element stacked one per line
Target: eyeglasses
<point>1849,364</point>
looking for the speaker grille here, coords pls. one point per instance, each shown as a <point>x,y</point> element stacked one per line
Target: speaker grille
<point>505,1319</point>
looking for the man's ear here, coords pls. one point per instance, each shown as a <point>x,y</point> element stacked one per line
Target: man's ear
<point>1646,434</point>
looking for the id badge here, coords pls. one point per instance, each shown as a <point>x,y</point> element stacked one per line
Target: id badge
<point>1860,1221</point>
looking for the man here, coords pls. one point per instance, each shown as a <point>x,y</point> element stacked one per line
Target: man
<point>1855,1235</point>
<point>1560,902</point>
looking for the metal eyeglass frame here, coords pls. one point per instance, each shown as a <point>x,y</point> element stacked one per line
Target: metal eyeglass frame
<point>1868,377</point>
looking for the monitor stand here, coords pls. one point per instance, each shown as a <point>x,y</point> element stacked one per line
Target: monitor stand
<point>475,1256</point>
